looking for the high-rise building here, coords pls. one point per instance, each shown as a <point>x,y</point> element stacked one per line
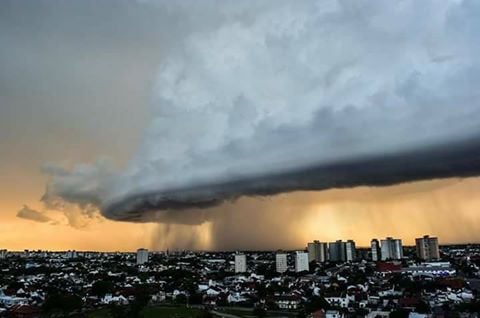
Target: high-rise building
<point>350,251</point>
<point>317,251</point>
<point>427,248</point>
<point>376,251</point>
<point>392,249</point>
<point>337,251</point>
<point>3,254</point>
<point>71,254</point>
<point>240,263</point>
<point>142,256</point>
<point>313,250</point>
<point>301,262</point>
<point>281,262</point>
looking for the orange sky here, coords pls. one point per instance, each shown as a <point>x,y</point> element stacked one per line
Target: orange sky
<point>446,208</point>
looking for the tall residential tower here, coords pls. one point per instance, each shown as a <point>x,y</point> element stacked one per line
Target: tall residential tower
<point>427,248</point>
<point>142,256</point>
<point>301,262</point>
<point>240,263</point>
<point>336,251</point>
<point>317,251</point>
<point>376,251</point>
<point>281,264</point>
<point>350,251</point>
<point>392,249</point>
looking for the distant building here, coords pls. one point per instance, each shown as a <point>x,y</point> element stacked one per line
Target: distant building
<point>333,314</point>
<point>71,254</point>
<point>392,249</point>
<point>313,249</point>
<point>3,254</point>
<point>427,248</point>
<point>376,251</point>
<point>337,251</point>
<point>281,262</point>
<point>317,251</point>
<point>301,262</point>
<point>240,263</point>
<point>10,301</point>
<point>431,269</point>
<point>389,267</point>
<point>350,251</point>
<point>142,256</point>
<point>288,301</point>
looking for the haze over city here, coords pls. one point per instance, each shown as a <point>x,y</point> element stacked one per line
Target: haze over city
<point>228,125</point>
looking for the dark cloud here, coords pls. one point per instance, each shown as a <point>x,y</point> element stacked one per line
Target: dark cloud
<point>286,96</point>
<point>33,215</point>
<point>460,159</point>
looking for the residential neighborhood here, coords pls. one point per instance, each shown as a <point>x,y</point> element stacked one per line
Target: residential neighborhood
<point>242,284</point>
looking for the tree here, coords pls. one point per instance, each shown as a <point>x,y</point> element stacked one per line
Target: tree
<point>181,299</point>
<point>118,311</point>
<point>422,308</point>
<point>142,298</point>
<point>261,290</point>
<point>400,313</point>
<point>102,287</point>
<point>64,303</point>
<point>205,314</point>
<point>362,312</point>
<point>222,300</point>
<point>259,312</point>
<point>313,265</point>
<point>301,314</point>
<point>315,303</point>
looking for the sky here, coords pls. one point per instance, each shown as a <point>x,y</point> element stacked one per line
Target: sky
<point>237,125</point>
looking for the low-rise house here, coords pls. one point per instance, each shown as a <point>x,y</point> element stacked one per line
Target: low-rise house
<point>333,314</point>
<point>378,314</point>
<point>288,301</point>
<point>117,300</point>
<point>342,302</point>
<point>9,301</point>
<point>25,311</point>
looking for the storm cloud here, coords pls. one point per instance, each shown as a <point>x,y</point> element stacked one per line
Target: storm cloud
<point>32,215</point>
<point>289,96</point>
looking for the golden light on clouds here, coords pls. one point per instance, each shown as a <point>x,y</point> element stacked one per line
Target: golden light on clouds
<point>446,208</point>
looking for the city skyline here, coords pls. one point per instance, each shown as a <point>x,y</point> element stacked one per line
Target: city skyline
<point>147,234</point>
<point>212,284</point>
<point>311,248</point>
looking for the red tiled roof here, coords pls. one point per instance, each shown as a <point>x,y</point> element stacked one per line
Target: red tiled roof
<point>408,301</point>
<point>388,267</point>
<point>24,310</point>
<point>318,314</point>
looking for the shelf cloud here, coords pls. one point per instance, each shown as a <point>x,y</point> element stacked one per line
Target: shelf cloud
<point>288,96</point>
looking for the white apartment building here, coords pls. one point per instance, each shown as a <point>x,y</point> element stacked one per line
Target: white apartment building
<point>376,251</point>
<point>142,256</point>
<point>240,263</point>
<point>301,262</point>
<point>281,262</point>
<point>392,249</point>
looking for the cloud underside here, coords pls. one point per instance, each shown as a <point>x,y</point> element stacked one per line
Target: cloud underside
<point>292,96</point>
<point>33,215</point>
<point>461,159</point>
